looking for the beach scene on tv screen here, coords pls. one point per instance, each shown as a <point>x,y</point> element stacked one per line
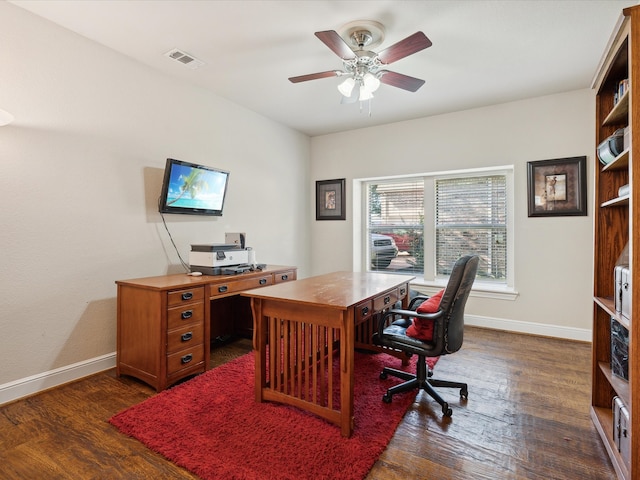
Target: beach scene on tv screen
<point>195,188</point>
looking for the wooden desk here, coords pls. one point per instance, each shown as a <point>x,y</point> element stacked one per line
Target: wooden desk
<point>301,328</point>
<point>165,322</point>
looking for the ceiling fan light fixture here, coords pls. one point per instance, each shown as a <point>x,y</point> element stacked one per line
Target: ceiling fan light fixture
<point>346,87</point>
<point>371,82</point>
<point>365,93</point>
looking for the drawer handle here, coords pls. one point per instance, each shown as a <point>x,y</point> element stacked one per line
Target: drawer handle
<point>187,295</point>
<point>285,277</point>
<point>365,310</point>
<point>186,336</point>
<point>187,358</point>
<point>222,289</point>
<point>387,300</point>
<point>263,281</point>
<point>186,314</point>
<point>403,291</point>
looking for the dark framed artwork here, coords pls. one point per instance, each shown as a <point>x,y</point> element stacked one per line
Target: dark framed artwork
<point>557,187</point>
<point>330,199</point>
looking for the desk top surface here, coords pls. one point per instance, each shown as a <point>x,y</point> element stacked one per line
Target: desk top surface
<point>338,289</point>
<point>179,280</point>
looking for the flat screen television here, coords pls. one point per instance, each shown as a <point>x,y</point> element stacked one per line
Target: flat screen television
<point>193,189</point>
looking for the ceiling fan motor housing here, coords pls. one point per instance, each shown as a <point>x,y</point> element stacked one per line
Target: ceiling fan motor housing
<point>361,38</point>
<point>365,61</point>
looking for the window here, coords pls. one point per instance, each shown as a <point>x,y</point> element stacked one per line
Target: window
<point>421,225</point>
<point>396,224</point>
<point>471,217</point>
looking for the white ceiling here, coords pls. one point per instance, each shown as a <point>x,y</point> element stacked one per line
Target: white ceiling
<point>484,52</point>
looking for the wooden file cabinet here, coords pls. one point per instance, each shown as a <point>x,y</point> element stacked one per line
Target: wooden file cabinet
<point>165,323</point>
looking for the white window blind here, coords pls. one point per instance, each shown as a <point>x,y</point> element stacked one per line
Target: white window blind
<point>396,204</point>
<point>471,218</point>
<point>396,210</point>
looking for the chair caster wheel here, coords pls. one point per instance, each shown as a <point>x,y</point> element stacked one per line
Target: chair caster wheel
<point>464,393</point>
<point>383,375</point>
<point>446,410</point>
<point>386,398</point>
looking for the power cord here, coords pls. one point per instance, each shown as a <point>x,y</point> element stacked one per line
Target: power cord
<point>184,264</point>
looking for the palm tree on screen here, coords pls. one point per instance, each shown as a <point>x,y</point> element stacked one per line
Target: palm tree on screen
<point>192,185</point>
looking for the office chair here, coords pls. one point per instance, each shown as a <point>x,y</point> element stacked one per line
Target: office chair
<point>448,327</point>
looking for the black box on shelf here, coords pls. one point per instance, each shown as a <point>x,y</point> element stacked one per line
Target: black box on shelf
<point>619,349</point>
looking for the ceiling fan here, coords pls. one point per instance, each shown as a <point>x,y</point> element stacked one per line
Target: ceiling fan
<point>364,69</point>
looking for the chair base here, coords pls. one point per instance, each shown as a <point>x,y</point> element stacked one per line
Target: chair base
<point>421,381</point>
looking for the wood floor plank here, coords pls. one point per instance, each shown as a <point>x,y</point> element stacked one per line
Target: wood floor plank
<point>527,417</point>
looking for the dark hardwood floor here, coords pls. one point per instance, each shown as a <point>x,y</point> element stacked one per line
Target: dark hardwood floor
<point>527,417</point>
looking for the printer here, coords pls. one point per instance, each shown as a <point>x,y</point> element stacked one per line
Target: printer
<point>213,258</point>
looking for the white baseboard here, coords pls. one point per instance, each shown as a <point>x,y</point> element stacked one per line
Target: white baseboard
<point>569,333</point>
<point>53,378</point>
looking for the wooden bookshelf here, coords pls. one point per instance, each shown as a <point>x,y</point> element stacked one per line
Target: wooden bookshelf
<point>614,228</point>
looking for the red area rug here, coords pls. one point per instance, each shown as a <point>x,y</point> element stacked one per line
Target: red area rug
<point>212,426</point>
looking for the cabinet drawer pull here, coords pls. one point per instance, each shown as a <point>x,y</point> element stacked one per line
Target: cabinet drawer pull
<point>187,295</point>
<point>365,310</point>
<point>285,277</point>
<point>263,281</point>
<point>186,314</point>
<point>186,336</point>
<point>187,358</point>
<point>403,291</point>
<point>387,300</point>
<point>222,288</point>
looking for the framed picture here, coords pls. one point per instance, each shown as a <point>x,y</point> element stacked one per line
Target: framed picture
<point>330,200</point>
<point>557,187</point>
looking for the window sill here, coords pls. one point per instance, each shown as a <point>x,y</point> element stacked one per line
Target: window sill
<point>479,290</point>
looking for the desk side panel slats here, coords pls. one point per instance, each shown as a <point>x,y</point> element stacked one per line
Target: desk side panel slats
<point>300,359</point>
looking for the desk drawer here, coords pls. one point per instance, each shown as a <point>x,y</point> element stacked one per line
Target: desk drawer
<point>187,337</point>
<point>363,311</point>
<point>386,300</point>
<point>239,285</point>
<point>178,297</point>
<point>285,276</point>
<point>403,291</point>
<point>185,359</point>
<point>185,315</point>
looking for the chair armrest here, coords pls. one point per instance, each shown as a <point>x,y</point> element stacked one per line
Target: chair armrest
<point>392,313</point>
<point>406,314</point>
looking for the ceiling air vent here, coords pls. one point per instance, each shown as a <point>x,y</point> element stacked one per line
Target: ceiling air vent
<point>184,58</point>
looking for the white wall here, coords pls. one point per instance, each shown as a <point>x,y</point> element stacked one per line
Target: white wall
<point>81,173</point>
<point>553,256</point>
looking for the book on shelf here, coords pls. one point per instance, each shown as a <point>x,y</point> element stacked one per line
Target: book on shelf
<point>621,89</point>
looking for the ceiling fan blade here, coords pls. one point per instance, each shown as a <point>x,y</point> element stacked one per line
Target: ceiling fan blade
<point>315,76</point>
<point>410,45</point>
<point>399,80</point>
<point>335,42</point>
